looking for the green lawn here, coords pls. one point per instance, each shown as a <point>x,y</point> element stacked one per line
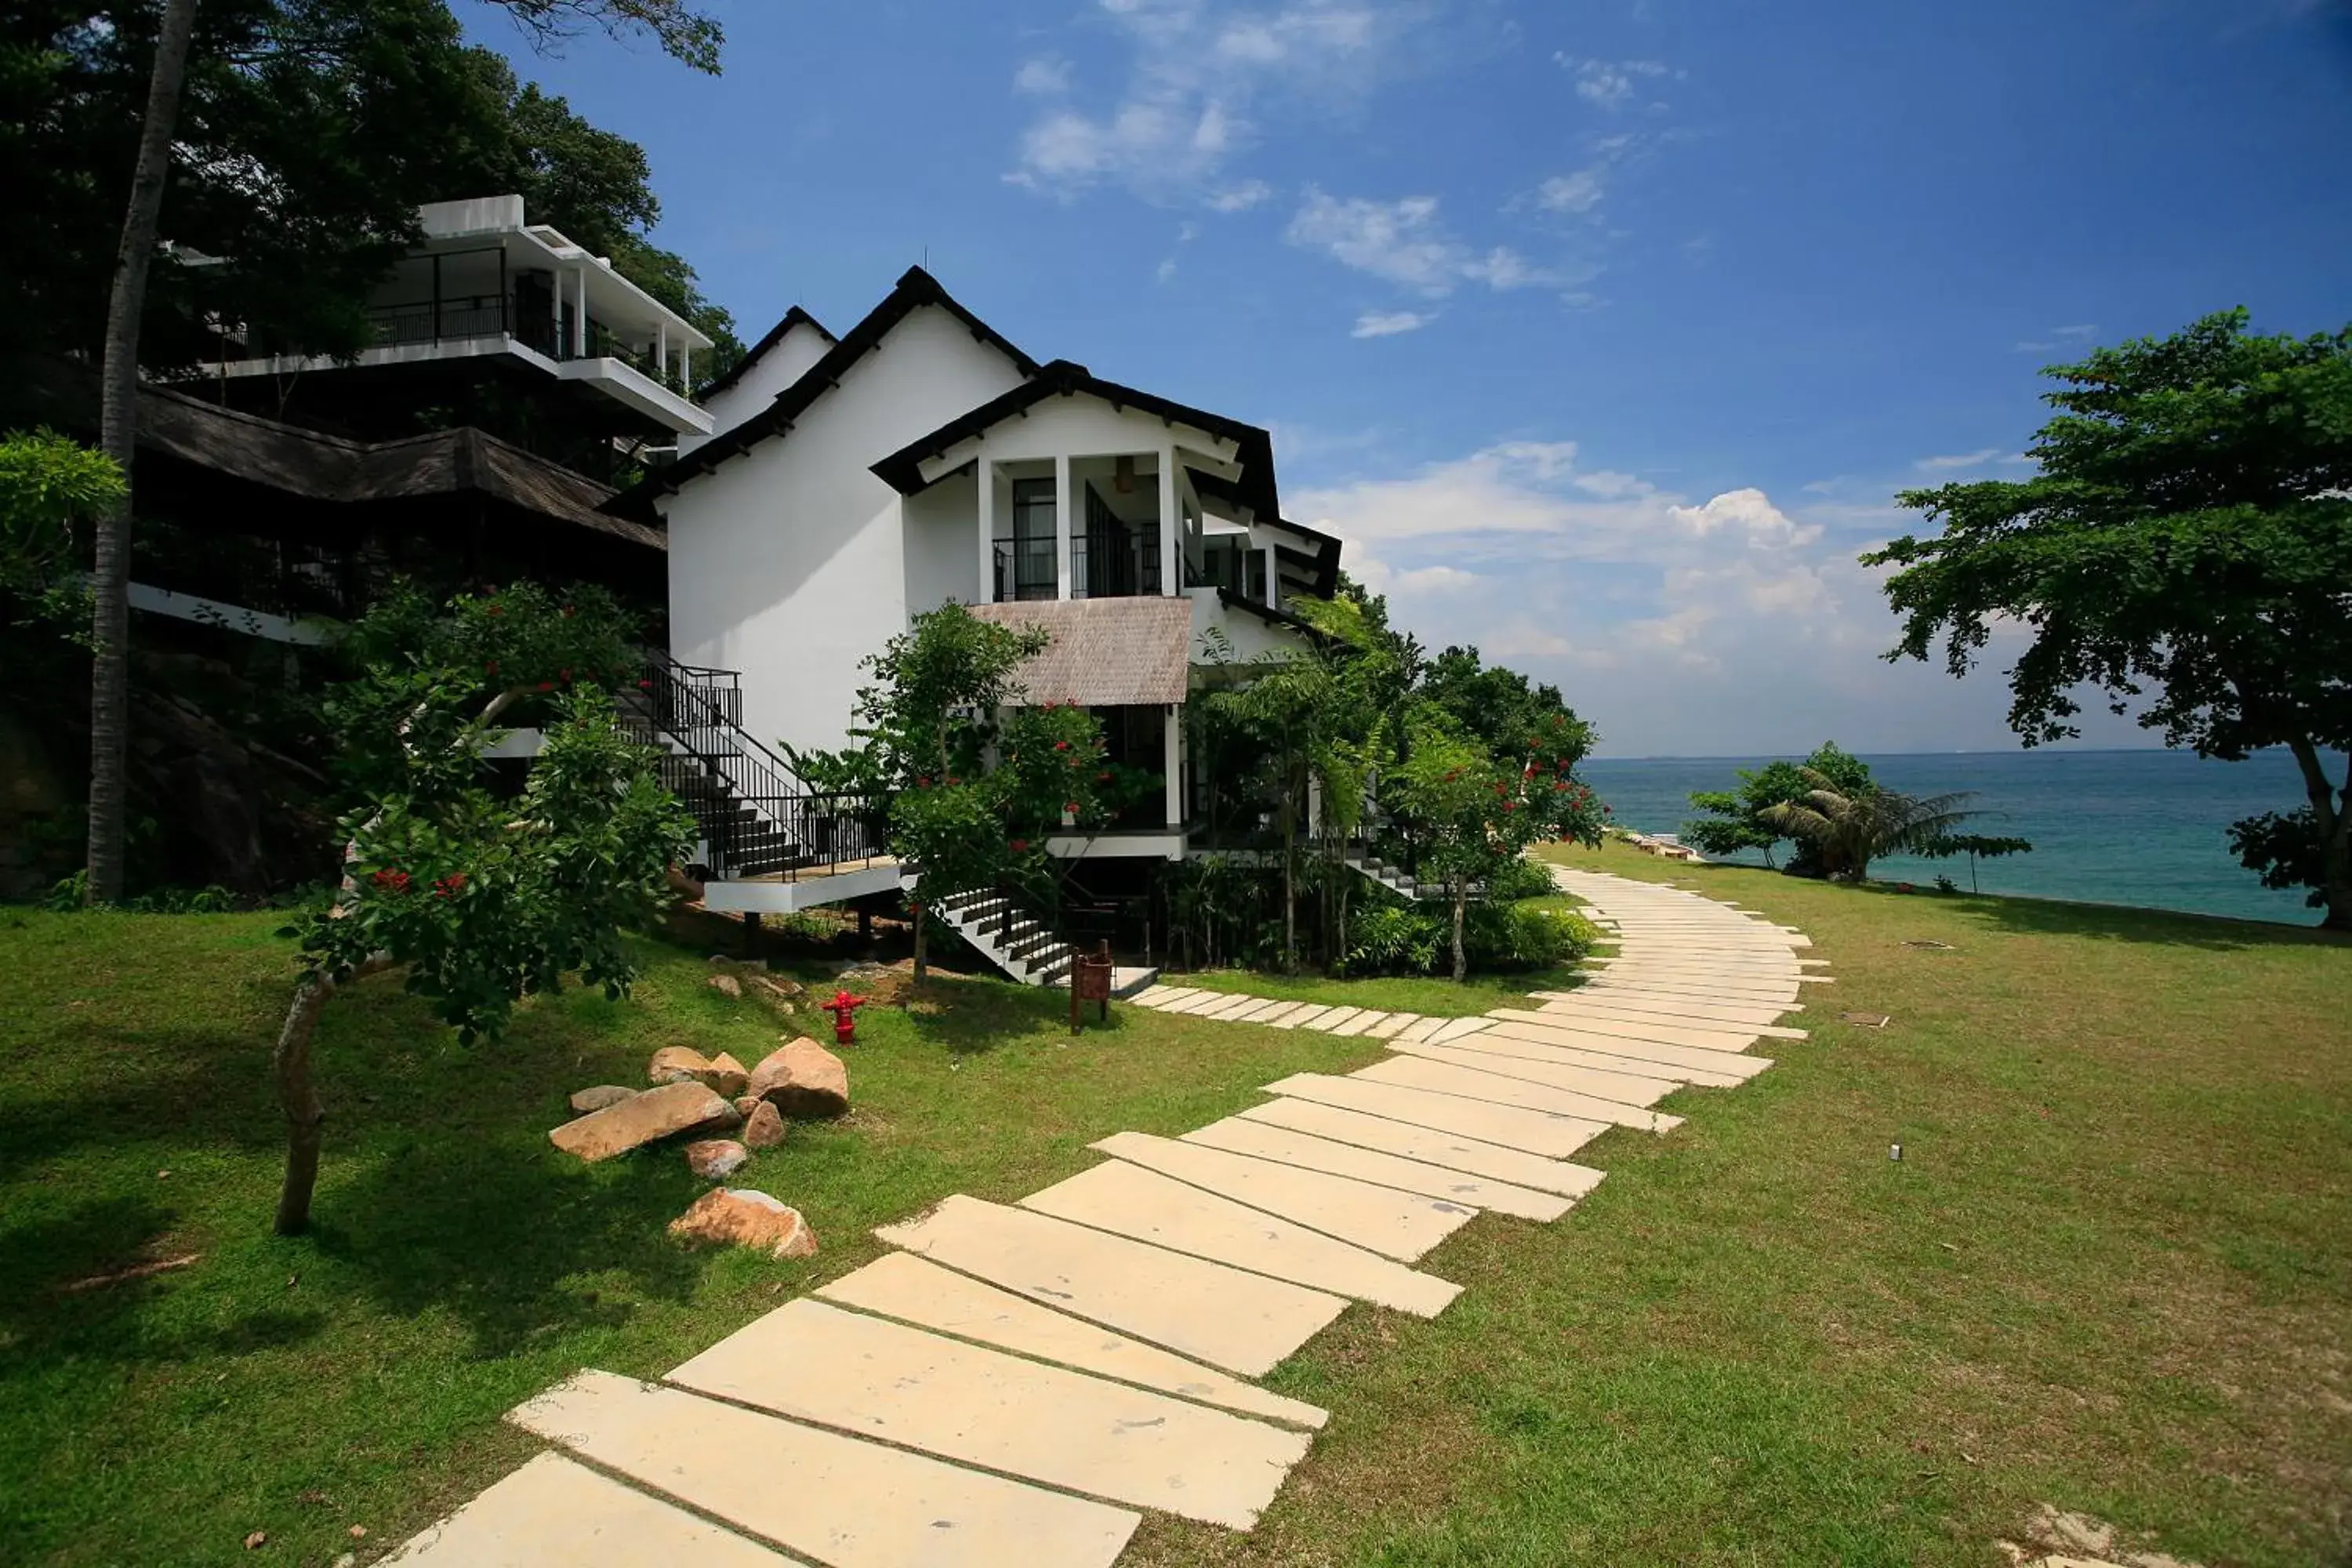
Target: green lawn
<point>458,1263</point>
<point>2112,1272</point>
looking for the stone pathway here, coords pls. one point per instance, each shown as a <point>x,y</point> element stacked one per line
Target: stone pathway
<point>1015,1382</point>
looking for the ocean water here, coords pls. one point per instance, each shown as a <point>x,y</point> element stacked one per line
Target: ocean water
<point>2144,827</point>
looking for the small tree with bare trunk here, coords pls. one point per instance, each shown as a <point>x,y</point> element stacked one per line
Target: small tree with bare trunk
<point>482,899</point>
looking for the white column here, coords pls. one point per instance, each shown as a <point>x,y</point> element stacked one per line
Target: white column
<point>686,366</point>
<point>661,347</point>
<point>1172,580</point>
<point>580,319</point>
<point>1062,508</point>
<point>1172,742</point>
<point>985,473</point>
<point>1273,579</point>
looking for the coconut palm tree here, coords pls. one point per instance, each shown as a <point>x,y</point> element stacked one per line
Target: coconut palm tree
<point>1849,829</point>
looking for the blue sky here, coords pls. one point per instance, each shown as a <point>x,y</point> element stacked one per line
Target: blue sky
<point>1603,333</point>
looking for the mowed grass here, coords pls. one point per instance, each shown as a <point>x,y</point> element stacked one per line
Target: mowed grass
<point>2111,1272</point>
<point>457,1263</point>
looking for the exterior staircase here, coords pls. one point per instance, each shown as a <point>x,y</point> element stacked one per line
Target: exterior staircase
<point>1009,937</point>
<point>1396,879</point>
<point>758,818</point>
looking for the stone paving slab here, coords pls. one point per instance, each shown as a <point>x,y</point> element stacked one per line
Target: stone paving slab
<point>1244,1136</point>
<point>1761,993</point>
<point>1533,1132</point>
<point>1240,1321</point>
<point>1728,972</point>
<point>979,1407</point>
<point>1287,1014</point>
<point>833,1499</point>
<point>1738,1064</point>
<point>1675,990</point>
<point>913,1289</point>
<point>1502,1041</point>
<point>1329,1022</point>
<point>1361,1023</point>
<point>1430,1145</point>
<point>1420,1028</point>
<point>552,1511</point>
<point>1602,1011</point>
<point>1228,1007</point>
<point>1393,1222</point>
<point>1719,1038</point>
<point>1457,1029</point>
<point>1395,1024</point>
<point>1444,1077</point>
<point>1201,1002</point>
<point>1308,1012</point>
<point>1127,1200</point>
<point>1626,1004</point>
<point>1264,1010</point>
<point>1624,1087</point>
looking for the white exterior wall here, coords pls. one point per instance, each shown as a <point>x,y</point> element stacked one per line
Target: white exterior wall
<point>772,372</point>
<point>790,562</point>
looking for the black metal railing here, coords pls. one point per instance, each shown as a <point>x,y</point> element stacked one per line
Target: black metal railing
<point>1108,563</point>
<point>469,316</point>
<point>758,817</point>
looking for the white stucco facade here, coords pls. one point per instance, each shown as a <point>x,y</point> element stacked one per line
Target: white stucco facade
<point>790,562</point>
<point>854,483</point>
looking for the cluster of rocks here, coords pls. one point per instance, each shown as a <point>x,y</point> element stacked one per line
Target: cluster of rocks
<point>721,1112</point>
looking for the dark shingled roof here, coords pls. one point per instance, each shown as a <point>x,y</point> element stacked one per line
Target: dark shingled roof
<point>315,466</point>
<point>1317,555</point>
<point>915,290</point>
<point>795,317</point>
<point>1105,653</point>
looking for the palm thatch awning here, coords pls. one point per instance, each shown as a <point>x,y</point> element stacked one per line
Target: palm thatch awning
<point>1105,653</point>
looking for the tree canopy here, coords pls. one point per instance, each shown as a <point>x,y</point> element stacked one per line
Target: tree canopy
<point>2185,552</point>
<point>1735,818</point>
<point>309,133</point>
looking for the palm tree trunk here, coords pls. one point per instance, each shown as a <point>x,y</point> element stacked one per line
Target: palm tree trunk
<point>109,677</point>
<point>922,930</point>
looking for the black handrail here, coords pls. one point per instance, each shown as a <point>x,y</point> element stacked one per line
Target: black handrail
<point>758,817</point>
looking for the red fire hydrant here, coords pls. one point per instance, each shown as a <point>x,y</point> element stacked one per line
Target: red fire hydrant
<point>845,1024</point>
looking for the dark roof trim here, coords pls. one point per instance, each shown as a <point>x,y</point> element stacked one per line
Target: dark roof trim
<point>1322,562</point>
<point>1234,601</point>
<point>914,290</point>
<point>902,470</point>
<point>795,317</point>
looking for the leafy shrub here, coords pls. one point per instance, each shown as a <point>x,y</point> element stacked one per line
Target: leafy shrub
<point>1525,936</point>
<point>1522,878</point>
<point>1394,938</point>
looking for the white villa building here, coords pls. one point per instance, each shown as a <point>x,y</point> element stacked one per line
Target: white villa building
<point>850,483</point>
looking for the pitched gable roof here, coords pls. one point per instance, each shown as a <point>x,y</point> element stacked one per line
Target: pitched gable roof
<point>1315,558</point>
<point>914,290</point>
<point>902,470</point>
<point>795,317</point>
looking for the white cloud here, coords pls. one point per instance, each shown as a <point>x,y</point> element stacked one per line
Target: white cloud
<point>1404,243</point>
<point>1202,78</point>
<point>1610,84</point>
<point>1166,269</point>
<point>2059,340</point>
<point>1043,78</point>
<point>1388,323</point>
<point>1572,192</point>
<point>1747,514</point>
<point>1976,460</point>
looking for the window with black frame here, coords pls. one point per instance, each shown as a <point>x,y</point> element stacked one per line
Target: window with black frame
<point>1025,566</point>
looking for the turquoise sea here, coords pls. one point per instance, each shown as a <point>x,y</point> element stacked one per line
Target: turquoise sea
<point>2146,827</point>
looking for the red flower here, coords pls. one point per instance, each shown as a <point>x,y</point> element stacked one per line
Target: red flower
<point>392,878</point>
<point>923,782</point>
<point>1061,745</point>
<point>547,686</point>
<point>1558,788</point>
<point>1071,807</point>
<point>1606,812</point>
<point>1020,846</point>
<point>644,686</point>
<point>449,885</point>
<point>1510,806</point>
